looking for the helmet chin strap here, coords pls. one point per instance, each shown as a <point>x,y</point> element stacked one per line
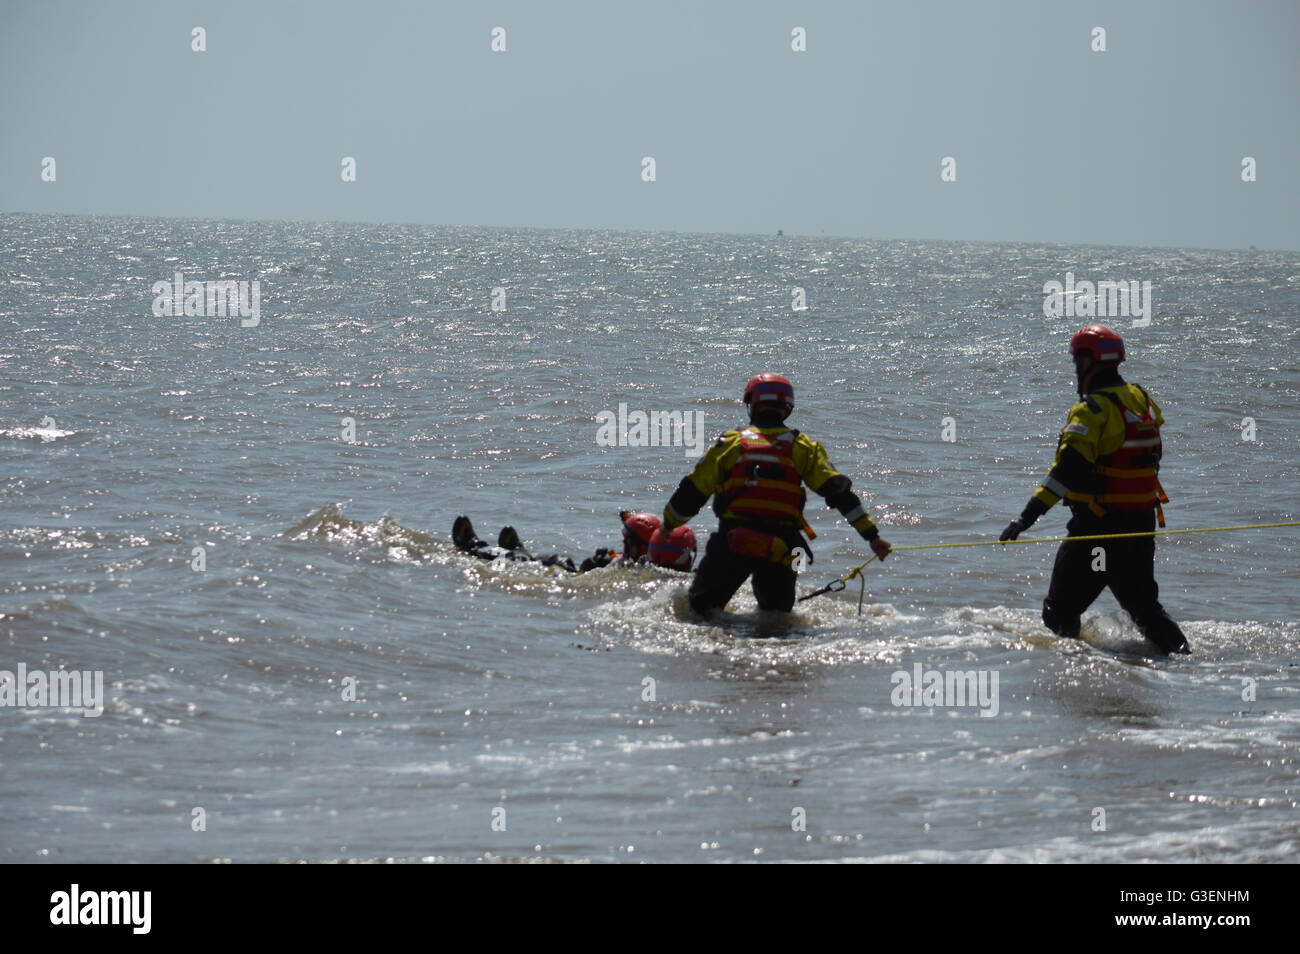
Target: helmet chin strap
<point>1085,373</point>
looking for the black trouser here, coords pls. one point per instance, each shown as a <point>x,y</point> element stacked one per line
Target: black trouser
<point>722,572</point>
<point>1129,571</point>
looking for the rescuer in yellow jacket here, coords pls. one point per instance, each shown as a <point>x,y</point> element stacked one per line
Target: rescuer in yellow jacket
<point>756,476</point>
<point>1107,471</point>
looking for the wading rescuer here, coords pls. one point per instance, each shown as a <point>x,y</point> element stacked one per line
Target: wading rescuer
<point>1107,462</point>
<point>756,475</point>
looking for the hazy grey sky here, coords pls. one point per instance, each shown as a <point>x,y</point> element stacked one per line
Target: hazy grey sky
<point>1139,145</point>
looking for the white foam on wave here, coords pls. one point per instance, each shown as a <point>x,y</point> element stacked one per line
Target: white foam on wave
<point>43,434</point>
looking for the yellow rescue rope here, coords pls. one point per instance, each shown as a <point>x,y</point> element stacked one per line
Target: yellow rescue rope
<point>836,585</point>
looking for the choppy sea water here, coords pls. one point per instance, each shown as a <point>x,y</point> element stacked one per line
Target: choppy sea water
<point>503,713</point>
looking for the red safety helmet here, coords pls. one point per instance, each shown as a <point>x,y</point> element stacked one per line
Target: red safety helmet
<point>677,550</point>
<point>638,528</point>
<point>769,389</point>
<point>1099,342</point>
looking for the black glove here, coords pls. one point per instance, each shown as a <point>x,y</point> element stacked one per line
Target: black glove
<point>1033,510</point>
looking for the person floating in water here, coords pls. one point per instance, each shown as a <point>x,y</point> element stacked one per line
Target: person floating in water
<point>676,551</point>
<point>756,475</point>
<point>1106,464</point>
<point>508,546</point>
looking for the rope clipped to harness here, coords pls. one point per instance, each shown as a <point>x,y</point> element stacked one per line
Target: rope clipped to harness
<point>836,585</point>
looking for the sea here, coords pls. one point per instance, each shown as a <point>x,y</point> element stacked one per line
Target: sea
<point>241,524</point>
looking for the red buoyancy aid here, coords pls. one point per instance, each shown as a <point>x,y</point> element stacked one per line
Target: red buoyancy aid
<point>763,484</point>
<point>1126,477</point>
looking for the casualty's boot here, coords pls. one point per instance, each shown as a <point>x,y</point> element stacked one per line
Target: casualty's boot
<point>463,535</point>
<point>508,539</point>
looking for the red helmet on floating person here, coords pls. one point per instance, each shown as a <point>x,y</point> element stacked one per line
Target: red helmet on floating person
<point>769,390</point>
<point>1099,342</point>
<point>638,528</point>
<point>676,550</point>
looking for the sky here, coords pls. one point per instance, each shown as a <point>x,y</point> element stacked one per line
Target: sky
<point>1141,144</point>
